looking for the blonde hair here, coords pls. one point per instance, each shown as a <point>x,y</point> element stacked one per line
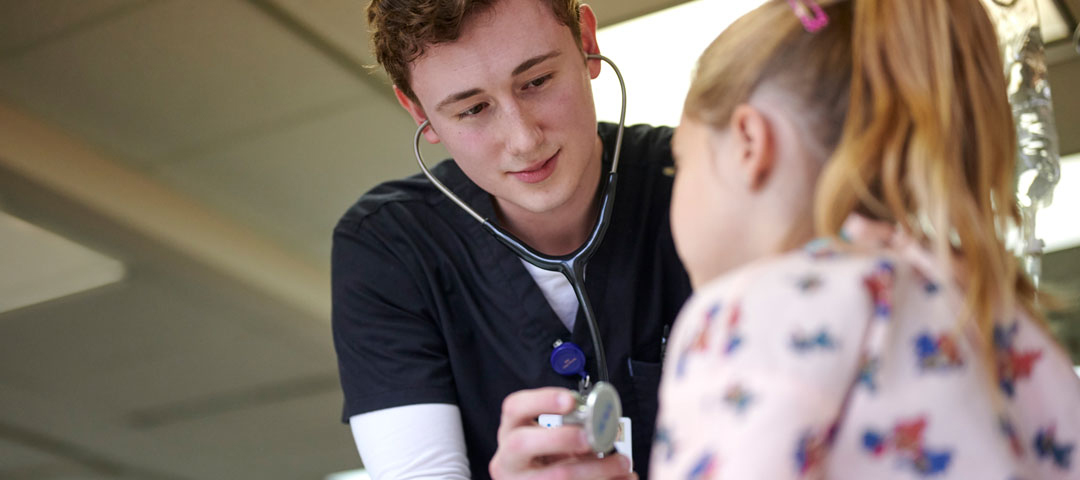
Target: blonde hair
<point>910,98</point>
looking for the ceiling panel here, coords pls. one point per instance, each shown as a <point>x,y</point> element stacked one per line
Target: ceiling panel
<point>614,11</point>
<point>17,459</point>
<point>76,433</point>
<point>25,24</point>
<point>296,183</point>
<point>1064,76</point>
<point>51,471</point>
<point>158,341</point>
<point>173,77</point>
<point>299,439</point>
<point>236,381</point>
<point>343,23</point>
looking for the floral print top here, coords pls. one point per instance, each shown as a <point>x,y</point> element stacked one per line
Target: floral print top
<point>849,361</point>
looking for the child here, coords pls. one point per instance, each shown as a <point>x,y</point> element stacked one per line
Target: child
<point>905,343</point>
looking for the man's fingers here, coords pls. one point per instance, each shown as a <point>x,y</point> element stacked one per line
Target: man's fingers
<point>531,443</point>
<point>612,467</point>
<point>527,450</point>
<point>521,408</point>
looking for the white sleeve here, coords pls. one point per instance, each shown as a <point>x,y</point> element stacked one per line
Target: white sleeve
<point>423,441</point>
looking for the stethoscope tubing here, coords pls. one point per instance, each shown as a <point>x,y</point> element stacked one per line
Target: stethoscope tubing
<point>571,265</point>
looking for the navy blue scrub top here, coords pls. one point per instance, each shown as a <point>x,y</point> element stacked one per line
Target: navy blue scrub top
<point>430,308</point>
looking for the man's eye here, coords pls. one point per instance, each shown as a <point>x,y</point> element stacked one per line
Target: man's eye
<point>472,111</point>
<point>540,81</point>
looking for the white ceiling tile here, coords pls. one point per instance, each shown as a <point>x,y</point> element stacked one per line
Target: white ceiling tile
<point>173,76</point>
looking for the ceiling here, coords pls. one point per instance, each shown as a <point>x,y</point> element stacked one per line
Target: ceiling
<point>210,147</point>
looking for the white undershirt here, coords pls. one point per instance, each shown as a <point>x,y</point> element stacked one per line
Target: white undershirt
<point>412,442</point>
<point>558,292</point>
<point>426,441</point>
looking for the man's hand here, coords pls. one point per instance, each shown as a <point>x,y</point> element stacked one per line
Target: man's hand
<point>529,451</point>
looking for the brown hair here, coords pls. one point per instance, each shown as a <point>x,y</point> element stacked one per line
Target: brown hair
<point>909,96</point>
<point>402,29</point>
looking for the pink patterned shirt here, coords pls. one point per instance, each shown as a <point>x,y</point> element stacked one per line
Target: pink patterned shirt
<point>854,365</point>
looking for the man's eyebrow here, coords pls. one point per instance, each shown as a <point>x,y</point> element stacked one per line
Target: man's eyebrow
<point>527,64</point>
<point>523,67</point>
<point>457,97</point>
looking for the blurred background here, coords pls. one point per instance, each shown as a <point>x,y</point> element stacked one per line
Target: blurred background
<point>170,173</point>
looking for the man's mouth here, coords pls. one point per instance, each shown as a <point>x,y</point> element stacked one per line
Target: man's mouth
<point>538,172</point>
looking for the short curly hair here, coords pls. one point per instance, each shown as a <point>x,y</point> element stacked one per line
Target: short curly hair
<point>402,29</point>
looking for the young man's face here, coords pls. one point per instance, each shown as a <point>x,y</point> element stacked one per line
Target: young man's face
<point>511,101</point>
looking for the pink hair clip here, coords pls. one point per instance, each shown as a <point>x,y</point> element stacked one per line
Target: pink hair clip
<point>810,13</point>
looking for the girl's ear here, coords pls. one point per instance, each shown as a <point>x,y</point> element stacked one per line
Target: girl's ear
<point>753,139</point>
<point>417,111</point>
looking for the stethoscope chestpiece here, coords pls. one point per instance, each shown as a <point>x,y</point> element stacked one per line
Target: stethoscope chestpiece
<point>598,411</point>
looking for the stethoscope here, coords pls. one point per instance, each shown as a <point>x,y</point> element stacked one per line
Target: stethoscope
<point>599,407</point>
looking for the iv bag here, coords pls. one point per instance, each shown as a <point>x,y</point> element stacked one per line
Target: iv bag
<point>1038,166</point>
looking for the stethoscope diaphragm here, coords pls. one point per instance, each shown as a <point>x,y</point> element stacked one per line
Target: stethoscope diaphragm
<point>597,412</point>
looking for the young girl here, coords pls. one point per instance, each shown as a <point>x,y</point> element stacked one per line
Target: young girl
<point>904,343</point>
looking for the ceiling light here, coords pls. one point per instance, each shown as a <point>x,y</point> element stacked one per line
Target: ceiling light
<point>37,265</point>
<point>1052,22</point>
<point>656,54</point>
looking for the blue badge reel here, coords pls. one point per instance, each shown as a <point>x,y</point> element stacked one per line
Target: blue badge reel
<point>568,359</point>
<point>598,410</point>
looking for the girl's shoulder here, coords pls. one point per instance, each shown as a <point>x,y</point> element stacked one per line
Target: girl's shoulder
<point>828,290</point>
<point>824,270</point>
<point>800,318</point>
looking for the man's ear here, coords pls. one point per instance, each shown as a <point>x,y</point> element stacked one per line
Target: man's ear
<point>588,39</point>
<point>753,137</point>
<point>417,112</point>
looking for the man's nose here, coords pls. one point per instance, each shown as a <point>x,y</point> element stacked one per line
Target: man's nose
<point>523,131</point>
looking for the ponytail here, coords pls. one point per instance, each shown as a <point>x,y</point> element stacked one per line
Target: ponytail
<point>929,143</point>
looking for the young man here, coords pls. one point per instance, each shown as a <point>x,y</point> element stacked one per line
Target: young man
<point>436,323</point>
